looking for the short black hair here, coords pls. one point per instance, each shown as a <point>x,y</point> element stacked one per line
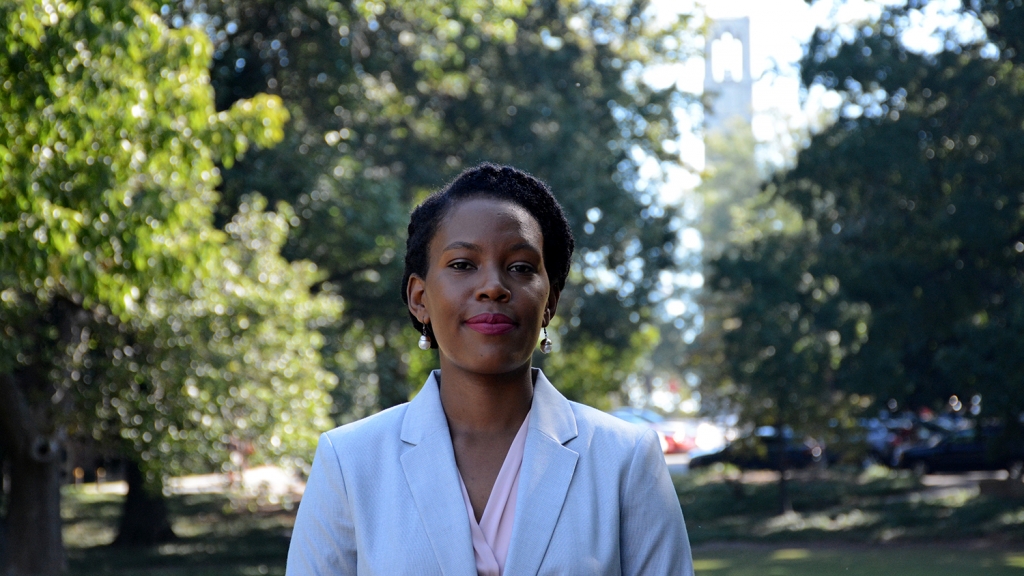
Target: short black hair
<point>502,183</point>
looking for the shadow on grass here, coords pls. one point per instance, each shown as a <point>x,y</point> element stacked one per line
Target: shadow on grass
<point>218,535</point>
<point>844,523</point>
<point>759,560</point>
<point>844,506</point>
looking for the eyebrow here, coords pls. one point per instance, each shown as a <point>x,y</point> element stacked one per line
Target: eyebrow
<point>524,246</point>
<point>458,244</point>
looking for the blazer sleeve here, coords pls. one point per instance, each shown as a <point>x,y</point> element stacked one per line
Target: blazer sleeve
<point>653,534</point>
<point>324,538</point>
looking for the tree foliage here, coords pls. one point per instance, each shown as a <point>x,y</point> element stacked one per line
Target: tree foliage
<point>127,316</point>
<point>230,363</point>
<point>912,218</point>
<point>391,100</point>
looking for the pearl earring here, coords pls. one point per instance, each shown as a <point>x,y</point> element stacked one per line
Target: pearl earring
<point>545,343</point>
<point>424,342</point>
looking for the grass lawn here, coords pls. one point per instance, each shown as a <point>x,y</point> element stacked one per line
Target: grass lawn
<point>900,560</point>
<point>876,506</point>
<point>875,525</point>
<point>218,535</point>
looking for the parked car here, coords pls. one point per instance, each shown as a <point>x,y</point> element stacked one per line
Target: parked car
<point>923,434</point>
<point>964,451</point>
<point>882,436</point>
<point>675,435</point>
<point>766,449</point>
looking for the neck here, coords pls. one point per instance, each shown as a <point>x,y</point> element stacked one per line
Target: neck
<point>485,403</point>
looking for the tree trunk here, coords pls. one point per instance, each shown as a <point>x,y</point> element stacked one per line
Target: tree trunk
<point>144,518</point>
<point>785,502</point>
<point>4,499</point>
<point>33,516</point>
<point>33,524</point>
<point>3,549</point>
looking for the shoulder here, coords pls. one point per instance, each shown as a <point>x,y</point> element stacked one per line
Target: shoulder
<point>580,426</point>
<point>613,436</point>
<point>602,422</point>
<point>378,430</point>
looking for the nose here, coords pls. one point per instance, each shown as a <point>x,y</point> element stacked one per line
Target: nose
<point>493,287</point>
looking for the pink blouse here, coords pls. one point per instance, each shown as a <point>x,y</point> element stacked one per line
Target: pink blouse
<point>492,534</point>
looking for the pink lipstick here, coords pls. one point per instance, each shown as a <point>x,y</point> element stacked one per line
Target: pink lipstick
<point>491,323</point>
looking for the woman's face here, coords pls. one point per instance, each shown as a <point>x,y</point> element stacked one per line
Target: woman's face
<point>486,294</point>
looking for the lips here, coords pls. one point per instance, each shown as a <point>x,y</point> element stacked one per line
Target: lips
<point>491,323</point>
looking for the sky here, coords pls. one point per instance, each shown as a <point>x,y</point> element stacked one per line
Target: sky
<point>784,113</point>
<point>779,30</point>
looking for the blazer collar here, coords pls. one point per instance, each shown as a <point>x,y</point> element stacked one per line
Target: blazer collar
<point>425,415</point>
<point>550,413</point>
<point>433,479</point>
<point>544,478</point>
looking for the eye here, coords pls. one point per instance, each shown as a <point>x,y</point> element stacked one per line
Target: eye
<point>522,268</point>
<point>461,265</point>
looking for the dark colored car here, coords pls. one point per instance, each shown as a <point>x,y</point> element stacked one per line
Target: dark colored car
<point>766,449</point>
<point>965,451</point>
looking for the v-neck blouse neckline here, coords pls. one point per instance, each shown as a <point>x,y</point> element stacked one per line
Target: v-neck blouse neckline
<point>493,533</point>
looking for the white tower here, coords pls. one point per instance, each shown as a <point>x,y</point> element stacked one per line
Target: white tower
<point>728,137</point>
<point>728,87</point>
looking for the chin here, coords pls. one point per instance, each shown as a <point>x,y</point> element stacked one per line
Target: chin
<point>490,362</point>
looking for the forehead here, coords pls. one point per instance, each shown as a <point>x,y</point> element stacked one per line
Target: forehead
<point>483,219</point>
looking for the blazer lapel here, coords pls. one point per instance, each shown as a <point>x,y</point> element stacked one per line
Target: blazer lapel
<point>544,478</point>
<point>433,480</point>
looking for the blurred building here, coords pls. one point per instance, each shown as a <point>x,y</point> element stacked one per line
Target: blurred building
<point>728,87</point>
<point>731,176</point>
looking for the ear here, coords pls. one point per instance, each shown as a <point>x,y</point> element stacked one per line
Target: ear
<point>552,305</point>
<point>414,292</point>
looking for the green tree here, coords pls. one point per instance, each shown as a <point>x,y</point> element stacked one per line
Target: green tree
<point>594,368</point>
<point>911,239</point>
<point>126,315</point>
<point>916,193</point>
<point>228,366</point>
<point>775,327</point>
<point>789,331</point>
<point>390,100</point>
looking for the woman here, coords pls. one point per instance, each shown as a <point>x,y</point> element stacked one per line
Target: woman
<point>489,470</point>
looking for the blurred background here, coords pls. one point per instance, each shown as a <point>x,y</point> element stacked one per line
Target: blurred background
<point>800,231</point>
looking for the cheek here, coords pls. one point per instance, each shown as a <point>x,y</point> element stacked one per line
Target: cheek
<point>540,296</point>
<point>442,298</point>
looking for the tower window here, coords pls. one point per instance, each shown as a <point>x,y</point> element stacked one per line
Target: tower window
<point>727,58</point>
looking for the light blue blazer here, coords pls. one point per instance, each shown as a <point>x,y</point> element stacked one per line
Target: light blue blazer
<point>595,497</point>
